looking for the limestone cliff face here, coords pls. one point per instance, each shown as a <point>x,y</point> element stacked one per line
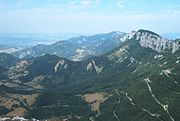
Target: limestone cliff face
<point>156,42</point>
<point>128,36</point>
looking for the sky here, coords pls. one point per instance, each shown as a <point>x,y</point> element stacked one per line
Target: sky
<point>88,16</point>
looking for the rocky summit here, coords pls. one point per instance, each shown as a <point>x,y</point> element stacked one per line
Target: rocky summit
<point>156,42</point>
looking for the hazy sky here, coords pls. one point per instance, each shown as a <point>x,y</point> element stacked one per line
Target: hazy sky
<point>88,16</point>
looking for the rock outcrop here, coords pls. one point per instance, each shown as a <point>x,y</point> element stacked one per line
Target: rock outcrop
<point>154,41</point>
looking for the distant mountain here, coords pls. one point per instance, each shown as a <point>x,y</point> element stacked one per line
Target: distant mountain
<point>137,81</point>
<point>22,40</point>
<point>8,49</point>
<point>78,48</point>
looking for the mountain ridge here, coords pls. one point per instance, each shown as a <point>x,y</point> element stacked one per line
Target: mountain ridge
<point>131,82</point>
<point>154,41</point>
<point>78,48</point>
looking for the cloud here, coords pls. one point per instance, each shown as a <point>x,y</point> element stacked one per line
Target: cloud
<point>71,6</point>
<point>120,3</point>
<point>51,20</point>
<point>76,6</point>
<point>173,11</point>
<point>83,16</point>
<point>86,2</point>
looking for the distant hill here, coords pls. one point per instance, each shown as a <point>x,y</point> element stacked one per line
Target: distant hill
<point>78,48</point>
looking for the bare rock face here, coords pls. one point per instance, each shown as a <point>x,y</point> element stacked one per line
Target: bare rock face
<point>156,42</point>
<point>128,36</point>
<point>59,64</point>
<point>92,64</point>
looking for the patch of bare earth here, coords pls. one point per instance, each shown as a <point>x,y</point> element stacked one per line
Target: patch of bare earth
<point>8,102</point>
<point>30,99</point>
<point>13,102</point>
<point>17,112</point>
<point>118,53</point>
<point>95,100</point>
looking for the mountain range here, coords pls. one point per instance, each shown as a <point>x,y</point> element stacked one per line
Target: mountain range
<point>78,48</point>
<point>136,78</point>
